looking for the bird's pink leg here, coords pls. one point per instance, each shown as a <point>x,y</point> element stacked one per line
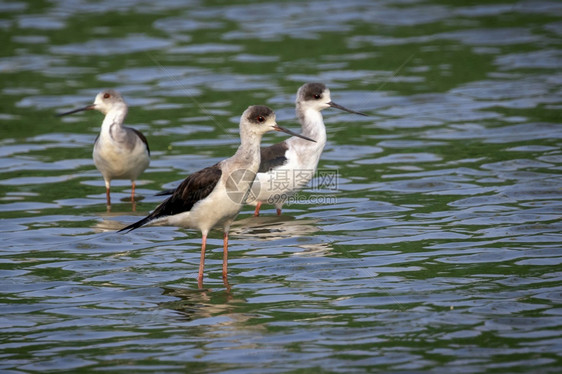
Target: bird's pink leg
<point>257,211</point>
<point>133,191</point>
<point>225,256</point>
<point>202,262</point>
<point>278,211</point>
<point>107,193</point>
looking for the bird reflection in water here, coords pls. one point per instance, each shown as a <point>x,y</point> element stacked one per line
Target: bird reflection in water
<point>270,228</point>
<point>193,304</point>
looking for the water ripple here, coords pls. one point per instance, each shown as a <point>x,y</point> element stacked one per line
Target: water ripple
<point>437,247</point>
<point>112,46</point>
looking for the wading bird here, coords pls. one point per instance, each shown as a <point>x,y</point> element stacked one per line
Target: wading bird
<point>120,152</point>
<point>288,166</point>
<point>214,196</point>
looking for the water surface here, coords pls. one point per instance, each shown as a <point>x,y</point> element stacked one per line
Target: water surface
<point>435,246</point>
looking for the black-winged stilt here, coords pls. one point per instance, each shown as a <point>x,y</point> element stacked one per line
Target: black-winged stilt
<point>288,166</point>
<point>214,196</point>
<point>120,152</point>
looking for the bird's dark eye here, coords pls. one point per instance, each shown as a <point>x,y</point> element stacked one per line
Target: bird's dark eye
<point>261,119</point>
<point>106,95</point>
<point>317,96</point>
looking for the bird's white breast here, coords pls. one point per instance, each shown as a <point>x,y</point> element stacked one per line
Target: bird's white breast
<point>117,157</point>
<point>281,182</point>
<point>220,208</point>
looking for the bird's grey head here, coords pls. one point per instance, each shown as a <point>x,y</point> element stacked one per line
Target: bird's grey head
<point>259,119</point>
<point>107,100</point>
<point>316,96</point>
<point>313,96</point>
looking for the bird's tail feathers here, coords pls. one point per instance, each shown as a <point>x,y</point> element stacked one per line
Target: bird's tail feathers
<point>138,224</point>
<point>166,192</point>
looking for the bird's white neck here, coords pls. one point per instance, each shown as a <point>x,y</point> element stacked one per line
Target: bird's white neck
<point>248,153</point>
<point>312,126</point>
<point>116,116</point>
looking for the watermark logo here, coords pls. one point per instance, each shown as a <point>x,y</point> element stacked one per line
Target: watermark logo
<point>239,185</point>
<point>291,180</point>
<point>326,179</point>
<point>285,185</point>
<point>300,198</point>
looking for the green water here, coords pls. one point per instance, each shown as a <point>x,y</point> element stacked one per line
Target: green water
<point>437,250</point>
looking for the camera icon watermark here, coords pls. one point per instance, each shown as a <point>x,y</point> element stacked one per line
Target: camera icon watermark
<point>240,184</point>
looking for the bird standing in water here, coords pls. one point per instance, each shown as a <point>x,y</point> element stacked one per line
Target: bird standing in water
<point>288,166</point>
<point>120,152</point>
<point>214,196</point>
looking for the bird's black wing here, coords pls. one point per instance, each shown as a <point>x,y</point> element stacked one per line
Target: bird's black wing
<point>142,137</point>
<point>273,156</point>
<point>196,187</point>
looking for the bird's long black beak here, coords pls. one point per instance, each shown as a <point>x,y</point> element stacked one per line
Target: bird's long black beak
<point>282,129</point>
<point>337,106</point>
<point>87,107</point>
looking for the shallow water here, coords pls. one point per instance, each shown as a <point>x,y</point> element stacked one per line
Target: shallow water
<point>431,242</point>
